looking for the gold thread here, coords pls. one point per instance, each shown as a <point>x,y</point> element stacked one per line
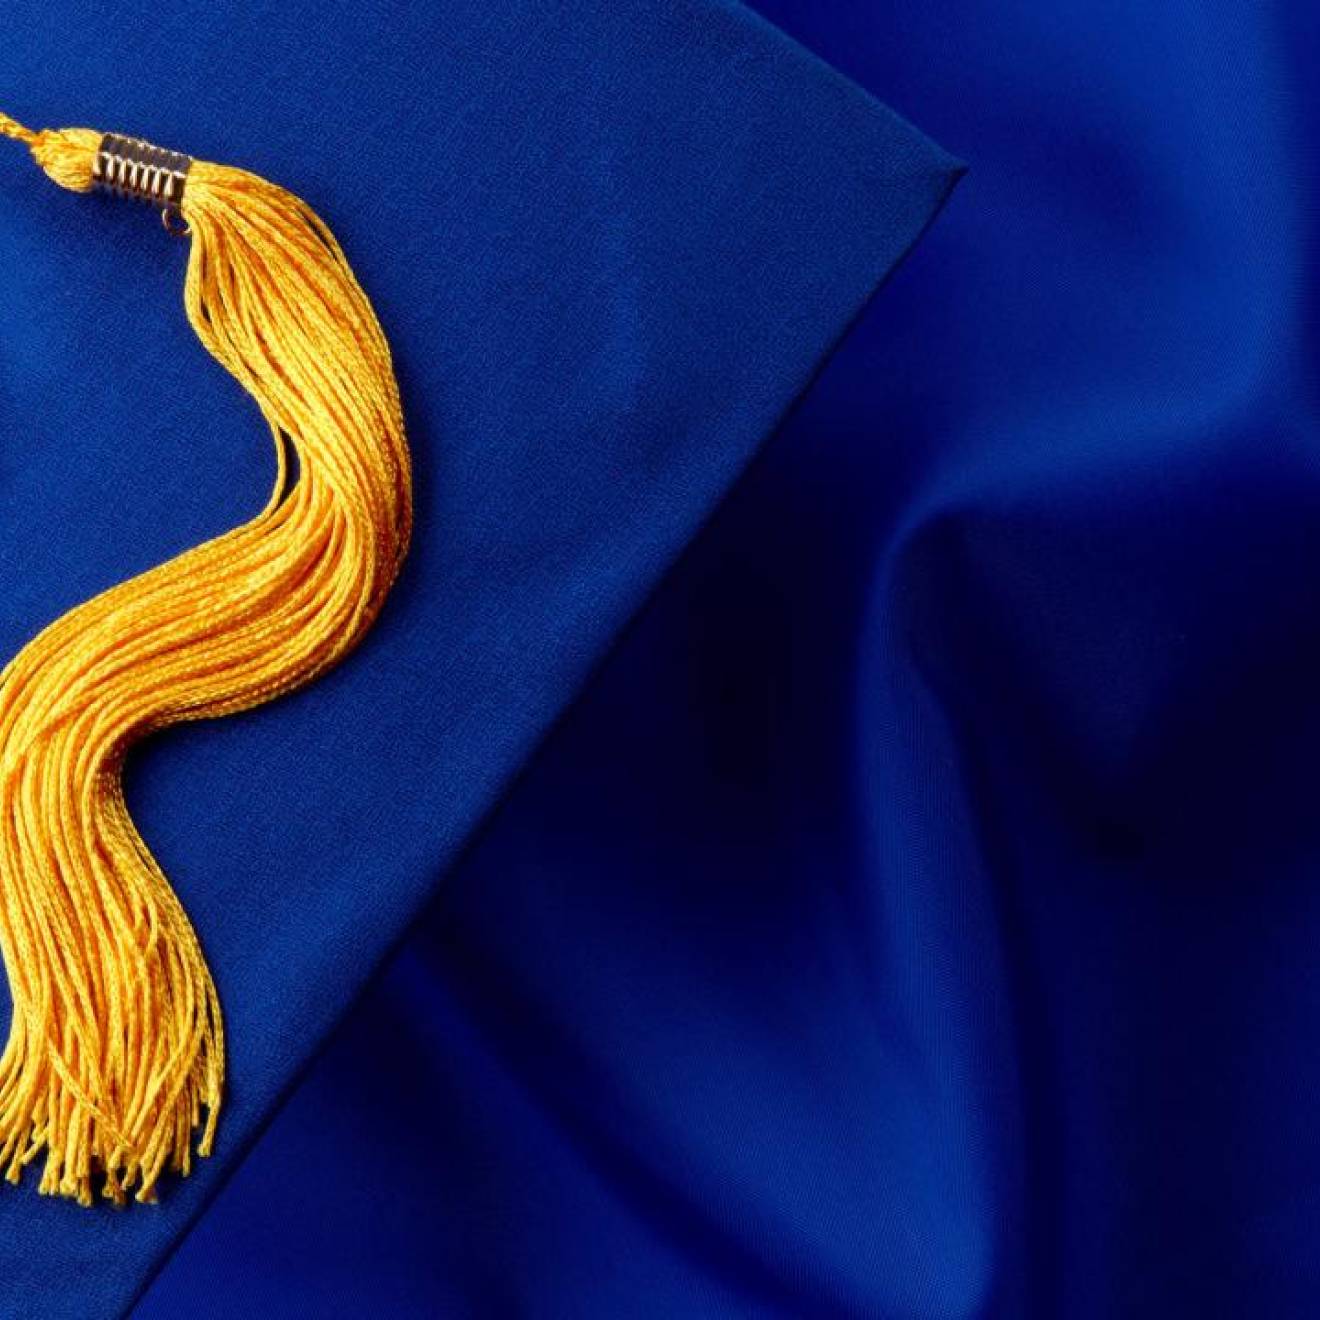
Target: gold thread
<point>115,1055</point>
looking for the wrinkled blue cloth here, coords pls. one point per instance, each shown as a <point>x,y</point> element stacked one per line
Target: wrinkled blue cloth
<point>921,917</point>
<point>610,242</point>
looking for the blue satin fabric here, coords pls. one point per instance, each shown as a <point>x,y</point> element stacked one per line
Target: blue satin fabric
<point>921,915</point>
<point>611,243</point>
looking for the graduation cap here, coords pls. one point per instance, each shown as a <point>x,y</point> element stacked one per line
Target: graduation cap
<point>609,245</point>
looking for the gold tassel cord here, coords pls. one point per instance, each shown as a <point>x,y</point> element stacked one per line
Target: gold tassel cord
<point>115,1056</point>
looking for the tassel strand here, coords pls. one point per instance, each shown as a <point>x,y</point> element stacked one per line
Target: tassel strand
<point>115,1056</point>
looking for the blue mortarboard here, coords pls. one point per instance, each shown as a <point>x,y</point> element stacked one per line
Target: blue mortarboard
<point>609,242</point>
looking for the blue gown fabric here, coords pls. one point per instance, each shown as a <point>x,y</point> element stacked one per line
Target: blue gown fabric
<point>611,243</point>
<point>920,917</point>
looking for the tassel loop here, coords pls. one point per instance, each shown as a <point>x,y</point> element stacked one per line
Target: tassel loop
<point>67,155</point>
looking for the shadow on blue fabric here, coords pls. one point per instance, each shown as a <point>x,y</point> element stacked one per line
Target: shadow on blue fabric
<point>611,243</point>
<point>919,917</point>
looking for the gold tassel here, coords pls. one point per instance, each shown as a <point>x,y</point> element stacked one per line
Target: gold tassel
<point>115,1055</point>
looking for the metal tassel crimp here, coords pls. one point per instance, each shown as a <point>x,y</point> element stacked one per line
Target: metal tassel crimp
<point>131,167</point>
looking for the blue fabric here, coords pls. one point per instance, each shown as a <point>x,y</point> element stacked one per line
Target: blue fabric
<point>920,918</point>
<point>610,242</point>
